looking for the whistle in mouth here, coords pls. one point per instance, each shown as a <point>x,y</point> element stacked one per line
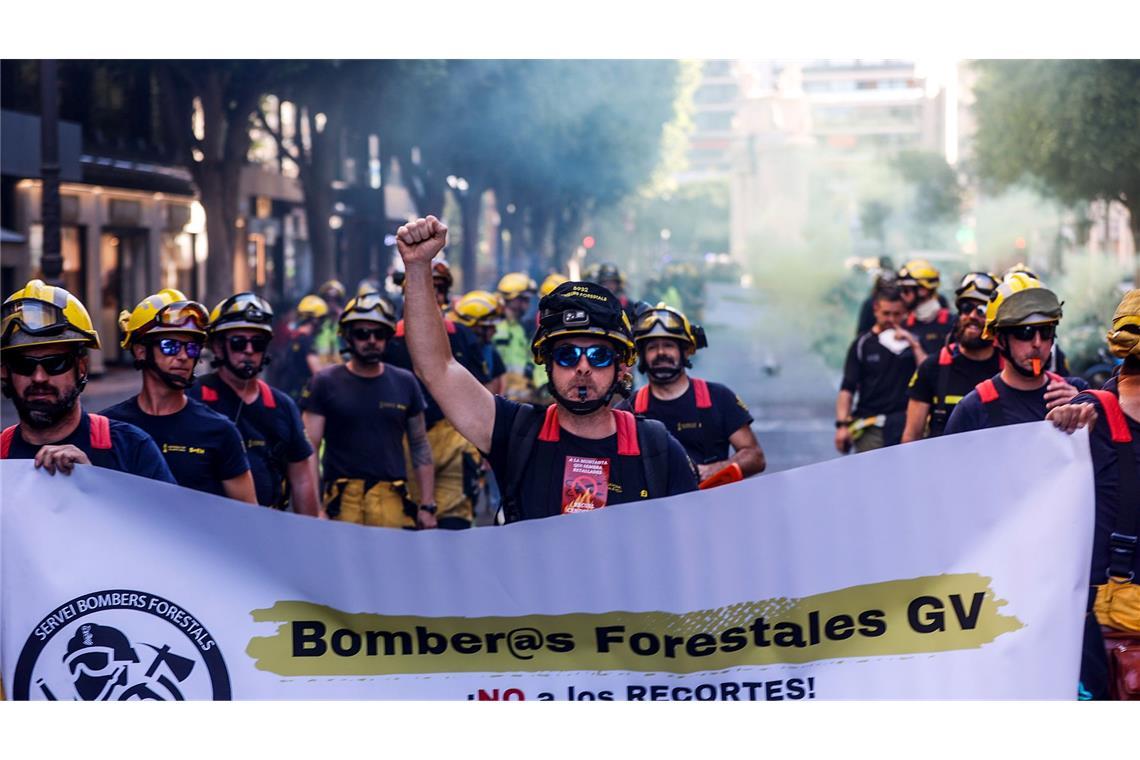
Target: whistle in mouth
<point>1036,367</point>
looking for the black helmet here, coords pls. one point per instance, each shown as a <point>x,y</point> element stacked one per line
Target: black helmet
<point>245,310</point>
<point>582,308</point>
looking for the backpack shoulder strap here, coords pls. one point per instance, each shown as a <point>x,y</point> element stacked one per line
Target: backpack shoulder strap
<point>911,319</point>
<point>266,394</point>
<point>701,390</point>
<point>654,439</point>
<point>987,391</point>
<point>209,395</point>
<point>6,440</point>
<point>100,432</point>
<point>1123,539</point>
<point>641,400</point>
<point>627,443</point>
<point>943,315</point>
<point>524,433</point>
<point>399,329</point>
<point>946,355</point>
<point>1114,416</point>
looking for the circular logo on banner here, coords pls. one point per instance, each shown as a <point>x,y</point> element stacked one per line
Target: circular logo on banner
<point>120,645</point>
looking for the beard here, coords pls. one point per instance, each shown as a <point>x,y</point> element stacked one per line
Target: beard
<point>664,372</point>
<point>370,356</point>
<point>41,413</point>
<point>245,369</point>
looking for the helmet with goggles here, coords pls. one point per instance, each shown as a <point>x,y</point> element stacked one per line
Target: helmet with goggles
<point>167,311</point>
<point>479,307</point>
<point>978,286</point>
<point>919,272</point>
<point>45,315</point>
<point>370,307</point>
<point>662,321</point>
<point>582,309</point>
<point>242,310</point>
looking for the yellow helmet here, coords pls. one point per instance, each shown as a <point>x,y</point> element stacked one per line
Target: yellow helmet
<point>370,307</point>
<point>550,283</point>
<point>1019,267</point>
<point>662,321</point>
<point>332,290</point>
<point>1020,300</point>
<point>167,311</point>
<point>515,284</point>
<point>44,315</point>
<point>919,272</point>
<point>245,310</point>
<point>312,307</point>
<point>479,307</point>
<point>1124,337</point>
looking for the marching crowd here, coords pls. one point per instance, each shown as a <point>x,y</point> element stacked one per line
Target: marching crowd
<point>412,412</point>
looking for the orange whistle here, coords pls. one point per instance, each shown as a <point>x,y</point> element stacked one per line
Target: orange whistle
<point>729,474</point>
<point>1036,366</point>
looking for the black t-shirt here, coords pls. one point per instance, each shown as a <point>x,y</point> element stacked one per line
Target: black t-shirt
<point>931,335</point>
<point>132,450</point>
<point>964,374</point>
<point>366,419</point>
<point>686,422</point>
<point>877,375</point>
<point>274,436</point>
<point>1106,475</point>
<point>543,495</point>
<point>1016,406</point>
<point>202,447</point>
<point>493,364</point>
<point>294,375</point>
<point>465,347</point>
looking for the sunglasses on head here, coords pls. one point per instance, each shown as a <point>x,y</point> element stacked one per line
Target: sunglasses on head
<point>173,347</point>
<point>568,355</point>
<point>55,364</point>
<point>1026,332</point>
<point>364,333</point>
<point>239,342</point>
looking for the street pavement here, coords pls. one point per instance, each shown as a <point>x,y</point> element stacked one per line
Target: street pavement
<point>788,389</point>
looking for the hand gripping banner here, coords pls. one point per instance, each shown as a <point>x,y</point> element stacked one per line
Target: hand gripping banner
<point>946,569</point>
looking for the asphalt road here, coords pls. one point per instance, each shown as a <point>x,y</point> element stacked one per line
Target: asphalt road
<point>789,391</point>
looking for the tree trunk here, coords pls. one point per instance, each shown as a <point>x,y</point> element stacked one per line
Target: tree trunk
<point>1132,203</point>
<point>316,176</point>
<point>210,177</point>
<point>470,205</point>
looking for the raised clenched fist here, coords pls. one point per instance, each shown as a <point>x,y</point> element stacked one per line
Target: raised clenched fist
<point>421,240</point>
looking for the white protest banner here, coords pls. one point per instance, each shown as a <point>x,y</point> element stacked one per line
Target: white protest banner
<point>950,568</point>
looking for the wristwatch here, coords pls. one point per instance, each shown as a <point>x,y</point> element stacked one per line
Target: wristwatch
<point>429,508</point>
<point>842,423</point>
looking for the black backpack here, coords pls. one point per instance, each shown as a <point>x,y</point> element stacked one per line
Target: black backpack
<point>652,437</point>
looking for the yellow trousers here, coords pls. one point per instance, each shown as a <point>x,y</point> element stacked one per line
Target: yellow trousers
<point>455,458</point>
<point>382,505</point>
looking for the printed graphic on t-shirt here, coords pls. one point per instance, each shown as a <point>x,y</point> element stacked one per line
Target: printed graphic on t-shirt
<point>585,484</point>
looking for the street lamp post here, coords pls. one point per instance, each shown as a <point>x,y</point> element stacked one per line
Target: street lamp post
<point>51,261</point>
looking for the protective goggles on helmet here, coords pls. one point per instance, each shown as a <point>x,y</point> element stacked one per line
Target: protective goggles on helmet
<point>173,347</point>
<point>188,314</point>
<point>977,282</point>
<point>568,355</point>
<point>249,307</point>
<point>35,317</point>
<point>55,364</point>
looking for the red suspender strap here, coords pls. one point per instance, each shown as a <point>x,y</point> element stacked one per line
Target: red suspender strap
<point>910,320</point>
<point>987,391</point>
<point>209,395</point>
<point>946,355</point>
<point>943,315</point>
<point>100,432</point>
<point>550,429</point>
<point>400,329</point>
<point>626,434</point>
<point>1113,415</point>
<point>641,401</point>
<point>266,395</point>
<point>701,390</point>
<point>6,441</point>
<point>450,326</point>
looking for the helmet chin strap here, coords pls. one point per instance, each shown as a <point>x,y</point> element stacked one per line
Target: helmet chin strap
<point>1003,349</point>
<point>171,380</point>
<point>242,372</point>
<point>582,408</point>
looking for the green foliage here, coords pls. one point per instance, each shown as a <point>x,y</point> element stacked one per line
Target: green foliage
<point>1090,292</point>
<point>1071,128</point>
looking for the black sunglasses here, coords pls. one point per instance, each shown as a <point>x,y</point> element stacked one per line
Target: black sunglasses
<point>239,342</point>
<point>1026,332</point>
<point>364,333</point>
<point>55,364</point>
<point>568,355</point>
<point>173,347</point>
<point>970,307</point>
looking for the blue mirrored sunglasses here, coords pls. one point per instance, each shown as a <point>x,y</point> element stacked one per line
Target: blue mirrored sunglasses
<point>568,355</point>
<point>173,346</point>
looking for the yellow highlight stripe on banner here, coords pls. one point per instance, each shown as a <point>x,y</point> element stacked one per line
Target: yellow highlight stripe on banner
<point>902,617</point>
